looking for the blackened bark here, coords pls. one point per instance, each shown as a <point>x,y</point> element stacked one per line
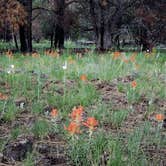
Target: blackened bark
<point>15,41</point>
<point>144,41</point>
<point>59,37</point>
<point>99,13</point>
<point>59,30</point>
<point>23,44</point>
<point>102,29</point>
<point>94,20</point>
<point>26,30</point>
<point>52,38</point>
<point>29,25</point>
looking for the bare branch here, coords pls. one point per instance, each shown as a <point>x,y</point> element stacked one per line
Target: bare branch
<point>45,9</point>
<point>70,2</point>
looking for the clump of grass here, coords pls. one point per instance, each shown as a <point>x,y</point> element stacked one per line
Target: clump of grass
<point>10,111</point>
<point>116,152</point>
<point>134,142</point>
<point>83,95</point>
<point>41,128</point>
<point>133,96</point>
<point>37,108</point>
<point>29,161</point>
<point>15,132</point>
<point>86,151</point>
<point>2,144</point>
<point>118,116</point>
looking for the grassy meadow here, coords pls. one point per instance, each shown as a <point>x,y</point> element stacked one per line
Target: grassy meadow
<point>83,109</point>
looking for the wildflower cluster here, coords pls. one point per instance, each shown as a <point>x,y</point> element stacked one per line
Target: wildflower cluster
<point>77,122</point>
<point>54,113</point>
<point>9,54</point>
<point>160,117</point>
<point>134,84</point>
<point>83,78</point>
<point>125,59</point>
<point>71,60</point>
<point>35,55</point>
<point>52,53</point>
<point>3,96</point>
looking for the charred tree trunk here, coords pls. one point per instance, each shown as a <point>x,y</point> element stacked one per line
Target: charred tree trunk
<point>59,30</point>
<point>52,39</point>
<point>102,29</point>
<point>23,43</point>
<point>15,41</point>
<point>144,41</point>
<point>99,13</point>
<point>59,37</point>
<point>26,30</point>
<point>29,25</point>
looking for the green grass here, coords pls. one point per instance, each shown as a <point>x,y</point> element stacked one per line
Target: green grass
<point>40,128</point>
<point>30,75</point>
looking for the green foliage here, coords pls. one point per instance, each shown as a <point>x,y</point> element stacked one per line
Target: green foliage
<point>89,151</point>
<point>118,116</point>
<point>10,111</point>
<point>116,150</point>
<point>29,161</point>
<point>41,128</point>
<point>15,132</point>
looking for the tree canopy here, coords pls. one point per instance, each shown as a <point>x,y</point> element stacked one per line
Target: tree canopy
<point>104,21</point>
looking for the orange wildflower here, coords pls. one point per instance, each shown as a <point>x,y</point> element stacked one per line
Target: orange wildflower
<point>73,128</point>
<point>3,97</point>
<point>116,55</point>
<point>132,58</point>
<point>52,53</point>
<point>9,54</point>
<point>76,114</point>
<point>160,117</point>
<point>91,123</point>
<point>71,61</point>
<point>54,112</point>
<point>35,55</point>
<point>134,84</point>
<point>125,60</point>
<point>83,77</point>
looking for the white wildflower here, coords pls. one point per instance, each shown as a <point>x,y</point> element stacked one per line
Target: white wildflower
<point>65,66</point>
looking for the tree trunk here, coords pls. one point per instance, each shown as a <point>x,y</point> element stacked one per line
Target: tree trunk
<point>29,25</point>
<point>15,41</point>
<point>100,19</point>
<point>52,38</point>
<point>144,41</point>
<point>26,30</point>
<point>59,30</point>
<point>23,43</point>
<point>59,37</point>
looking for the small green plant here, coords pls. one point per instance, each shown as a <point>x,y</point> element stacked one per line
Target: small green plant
<point>41,128</point>
<point>29,161</point>
<point>116,152</point>
<point>2,144</point>
<point>133,94</point>
<point>15,132</point>
<point>10,112</point>
<point>87,151</point>
<point>37,108</point>
<point>118,117</point>
<point>120,88</point>
<point>134,141</point>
